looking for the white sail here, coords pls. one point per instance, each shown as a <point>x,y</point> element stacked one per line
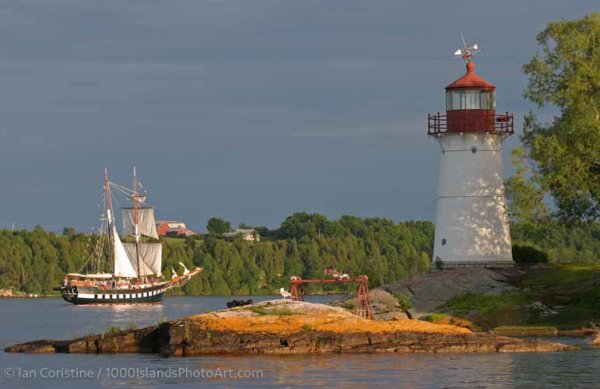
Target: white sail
<point>186,271</point>
<point>150,257</point>
<point>123,267</point>
<point>146,224</point>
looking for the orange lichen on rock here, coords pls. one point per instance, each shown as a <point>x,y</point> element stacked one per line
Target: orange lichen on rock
<point>288,317</point>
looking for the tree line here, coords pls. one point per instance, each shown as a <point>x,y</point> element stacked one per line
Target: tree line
<point>304,245</point>
<point>36,261</point>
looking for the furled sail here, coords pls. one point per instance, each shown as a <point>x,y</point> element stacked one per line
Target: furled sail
<point>123,266</point>
<point>150,257</point>
<point>146,224</point>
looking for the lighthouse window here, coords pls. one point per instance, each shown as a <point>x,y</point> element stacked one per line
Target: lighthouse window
<point>472,100</point>
<point>487,100</point>
<point>469,99</point>
<point>444,242</point>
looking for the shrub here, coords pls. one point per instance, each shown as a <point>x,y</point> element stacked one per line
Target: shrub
<point>435,317</point>
<point>528,254</point>
<point>111,330</point>
<point>403,300</point>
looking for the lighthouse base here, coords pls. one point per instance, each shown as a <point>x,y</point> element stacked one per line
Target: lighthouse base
<point>438,265</point>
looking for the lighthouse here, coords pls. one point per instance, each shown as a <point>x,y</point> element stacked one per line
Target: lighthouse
<point>471,225</point>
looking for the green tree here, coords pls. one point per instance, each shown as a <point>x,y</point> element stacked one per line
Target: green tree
<point>566,151</point>
<point>526,199</point>
<point>303,224</point>
<point>262,231</point>
<point>218,226</point>
<point>69,231</point>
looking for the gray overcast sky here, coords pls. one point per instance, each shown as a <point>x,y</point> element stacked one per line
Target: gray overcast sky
<point>249,110</point>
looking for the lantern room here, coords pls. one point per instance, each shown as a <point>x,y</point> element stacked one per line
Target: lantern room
<point>470,107</point>
<point>470,92</point>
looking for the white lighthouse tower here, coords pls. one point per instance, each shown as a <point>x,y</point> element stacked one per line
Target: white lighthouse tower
<point>471,226</point>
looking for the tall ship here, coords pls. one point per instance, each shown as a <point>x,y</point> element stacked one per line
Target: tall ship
<point>136,275</point>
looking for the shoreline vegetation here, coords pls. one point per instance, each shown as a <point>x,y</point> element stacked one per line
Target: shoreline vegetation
<point>559,296</point>
<point>532,300</point>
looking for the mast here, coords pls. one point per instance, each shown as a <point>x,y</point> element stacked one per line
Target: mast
<point>108,216</point>
<point>136,220</point>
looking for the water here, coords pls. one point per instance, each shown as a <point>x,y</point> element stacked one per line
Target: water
<point>27,319</point>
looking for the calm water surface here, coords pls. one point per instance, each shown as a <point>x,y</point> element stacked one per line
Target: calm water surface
<point>27,319</point>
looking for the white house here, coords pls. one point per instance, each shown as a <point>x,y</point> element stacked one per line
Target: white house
<point>248,234</point>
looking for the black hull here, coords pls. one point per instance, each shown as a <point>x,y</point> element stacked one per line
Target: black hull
<point>80,295</point>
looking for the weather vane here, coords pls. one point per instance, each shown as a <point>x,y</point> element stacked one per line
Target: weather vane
<point>466,52</point>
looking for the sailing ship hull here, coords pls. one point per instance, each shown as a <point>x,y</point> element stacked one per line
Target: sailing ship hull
<point>81,295</point>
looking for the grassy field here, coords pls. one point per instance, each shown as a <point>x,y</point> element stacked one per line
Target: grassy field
<point>171,240</point>
<point>559,295</point>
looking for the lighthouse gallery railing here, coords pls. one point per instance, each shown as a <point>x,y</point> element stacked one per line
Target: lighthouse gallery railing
<point>502,124</point>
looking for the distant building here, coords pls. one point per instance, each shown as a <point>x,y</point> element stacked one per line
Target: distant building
<point>248,234</point>
<point>172,228</point>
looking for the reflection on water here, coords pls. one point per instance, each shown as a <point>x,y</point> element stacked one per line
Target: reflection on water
<point>23,320</point>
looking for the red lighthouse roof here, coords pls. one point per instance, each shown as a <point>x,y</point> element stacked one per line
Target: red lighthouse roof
<point>471,80</point>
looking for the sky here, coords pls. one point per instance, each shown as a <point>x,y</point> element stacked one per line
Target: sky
<point>249,110</point>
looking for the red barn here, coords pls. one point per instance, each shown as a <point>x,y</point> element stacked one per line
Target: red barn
<point>172,228</point>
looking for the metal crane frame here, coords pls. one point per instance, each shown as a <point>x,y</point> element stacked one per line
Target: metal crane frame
<point>363,303</point>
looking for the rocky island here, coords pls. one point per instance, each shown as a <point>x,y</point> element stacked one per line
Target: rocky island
<point>288,327</point>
